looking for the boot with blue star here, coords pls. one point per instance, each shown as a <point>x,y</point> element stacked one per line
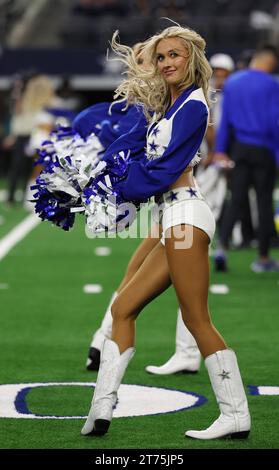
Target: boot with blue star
<point>234,420</point>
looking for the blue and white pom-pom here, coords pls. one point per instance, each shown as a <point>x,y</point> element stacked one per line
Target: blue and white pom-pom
<point>105,208</point>
<point>55,207</point>
<point>75,179</point>
<point>67,161</point>
<point>65,142</point>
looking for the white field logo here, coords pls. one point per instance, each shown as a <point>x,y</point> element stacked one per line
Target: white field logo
<point>133,400</point>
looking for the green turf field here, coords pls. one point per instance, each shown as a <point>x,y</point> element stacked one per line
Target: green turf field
<point>10,217</point>
<point>46,324</point>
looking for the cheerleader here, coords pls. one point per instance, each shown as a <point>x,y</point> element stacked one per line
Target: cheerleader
<point>174,96</point>
<point>110,122</point>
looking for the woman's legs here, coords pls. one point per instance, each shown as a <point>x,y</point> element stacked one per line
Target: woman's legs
<point>150,280</point>
<point>146,246</point>
<point>189,271</point>
<point>137,258</point>
<point>187,355</point>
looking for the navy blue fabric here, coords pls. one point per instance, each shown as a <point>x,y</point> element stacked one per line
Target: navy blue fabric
<point>88,120</point>
<point>106,121</point>
<point>110,130</point>
<point>133,141</point>
<point>62,112</point>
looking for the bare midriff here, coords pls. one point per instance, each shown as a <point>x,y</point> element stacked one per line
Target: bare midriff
<point>185,179</point>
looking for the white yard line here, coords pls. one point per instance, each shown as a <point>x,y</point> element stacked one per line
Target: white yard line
<point>17,234</point>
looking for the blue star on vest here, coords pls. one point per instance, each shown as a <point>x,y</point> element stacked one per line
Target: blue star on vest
<point>224,375</point>
<point>192,192</point>
<point>153,146</point>
<point>172,196</point>
<point>155,131</point>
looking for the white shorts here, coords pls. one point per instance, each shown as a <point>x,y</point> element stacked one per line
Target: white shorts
<point>184,205</point>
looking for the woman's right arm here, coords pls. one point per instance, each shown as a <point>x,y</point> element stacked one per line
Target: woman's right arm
<point>86,121</point>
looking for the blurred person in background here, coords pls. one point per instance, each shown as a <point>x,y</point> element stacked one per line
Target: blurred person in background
<point>12,144</point>
<point>250,120</point>
<point>36,93</point>
<point>243,60</point>
<point>44,109</point>
<point>209,176</point>
<point>223,66</point>
<point>213,179</point>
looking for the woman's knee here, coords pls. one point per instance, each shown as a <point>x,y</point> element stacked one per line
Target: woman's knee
<point>195,321</point>
<point>121,310</point>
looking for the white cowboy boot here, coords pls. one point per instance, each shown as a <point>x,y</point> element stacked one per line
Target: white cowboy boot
<point>187,357</point>
<point>94,353</point>
<point>112,369</point>
<point>234,420</point>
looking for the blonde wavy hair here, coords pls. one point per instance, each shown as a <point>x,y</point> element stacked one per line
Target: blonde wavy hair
<point>39,93</point>
<point>146,87</point>
<point>131,57</point>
